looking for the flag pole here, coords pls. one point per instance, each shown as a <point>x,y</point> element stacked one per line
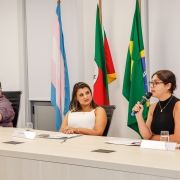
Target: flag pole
<point>139,5</point>
<point>100,11</point>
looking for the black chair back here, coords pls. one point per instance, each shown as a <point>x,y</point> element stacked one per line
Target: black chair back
<point>109,111</point>
<point>14,97</point>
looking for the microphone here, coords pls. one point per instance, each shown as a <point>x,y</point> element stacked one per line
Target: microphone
<point>144,99</point>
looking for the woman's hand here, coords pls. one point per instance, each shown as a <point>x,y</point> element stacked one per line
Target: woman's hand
<point>138,108</point>
<point>68,130</point>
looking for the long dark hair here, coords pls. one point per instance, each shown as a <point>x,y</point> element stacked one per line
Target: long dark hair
<point>166,77</point>
<point>74,104</point>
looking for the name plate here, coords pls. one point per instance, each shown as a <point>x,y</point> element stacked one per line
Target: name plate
<point>149,144</point>
<point>24,134</point>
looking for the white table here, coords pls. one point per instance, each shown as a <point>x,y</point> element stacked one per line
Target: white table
<point>49,159</point>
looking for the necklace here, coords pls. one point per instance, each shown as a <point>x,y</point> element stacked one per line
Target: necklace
<point>165,105</point>
<point>85,110</point>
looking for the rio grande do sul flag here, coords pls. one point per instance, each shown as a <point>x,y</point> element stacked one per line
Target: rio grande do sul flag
<point>60,89</point>
<point>109,62</point>
<point>100,93</point>
<point>135,79</point>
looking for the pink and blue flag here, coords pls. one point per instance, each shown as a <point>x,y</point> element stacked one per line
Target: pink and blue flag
<point>60,89</point>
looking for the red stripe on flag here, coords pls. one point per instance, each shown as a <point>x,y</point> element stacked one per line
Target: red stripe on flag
<point>109,62</point>
<point>100,93</point>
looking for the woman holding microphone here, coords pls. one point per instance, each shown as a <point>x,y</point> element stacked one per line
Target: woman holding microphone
<point>163,115</point>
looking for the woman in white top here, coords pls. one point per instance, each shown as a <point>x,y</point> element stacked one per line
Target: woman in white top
<point>84,117</point>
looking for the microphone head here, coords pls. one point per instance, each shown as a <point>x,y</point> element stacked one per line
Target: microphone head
<point>148,95</point>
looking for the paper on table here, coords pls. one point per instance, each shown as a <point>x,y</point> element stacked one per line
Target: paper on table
<point>62,136</point>
<point>24,134</point>
<point>160,145</point>
<point>126,142</point>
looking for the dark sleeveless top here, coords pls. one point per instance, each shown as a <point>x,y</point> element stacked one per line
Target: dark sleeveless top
<point>164,121</point>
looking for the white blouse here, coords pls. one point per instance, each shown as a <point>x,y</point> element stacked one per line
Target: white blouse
<point>81,119</point>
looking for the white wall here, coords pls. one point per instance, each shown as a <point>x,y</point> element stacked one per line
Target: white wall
<point>9,56</point>
<point>164,37</point>
<point>40,22</point>
<point>160,26</point>
<point>12,52</point>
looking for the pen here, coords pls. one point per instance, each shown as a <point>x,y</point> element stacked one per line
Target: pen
<point>64,140</point>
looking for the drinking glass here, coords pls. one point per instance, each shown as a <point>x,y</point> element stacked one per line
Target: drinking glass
<point>29,126</point>
<point>164,136</point>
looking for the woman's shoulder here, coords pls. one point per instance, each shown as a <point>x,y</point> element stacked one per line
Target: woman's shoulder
<point>99,109</point>
<point>177,108</point>
<point>72,111</point>
<point>177,104</point>
<point>69,112</point>
<point>152,107</point>
<point>175,99</point>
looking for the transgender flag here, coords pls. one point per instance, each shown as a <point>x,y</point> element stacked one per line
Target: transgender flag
<point>60,91</point>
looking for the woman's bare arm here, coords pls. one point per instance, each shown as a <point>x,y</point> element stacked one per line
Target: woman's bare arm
<point>99,127</point>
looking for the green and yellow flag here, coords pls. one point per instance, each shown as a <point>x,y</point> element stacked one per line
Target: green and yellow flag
<point>135,79</point>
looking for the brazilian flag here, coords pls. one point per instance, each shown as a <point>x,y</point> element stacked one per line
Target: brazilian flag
<point>135,79</point>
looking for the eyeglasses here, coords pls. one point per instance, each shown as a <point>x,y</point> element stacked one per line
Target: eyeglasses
<point>154,84</point>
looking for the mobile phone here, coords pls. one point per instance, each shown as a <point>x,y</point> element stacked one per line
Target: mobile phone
<point>43,135</point>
